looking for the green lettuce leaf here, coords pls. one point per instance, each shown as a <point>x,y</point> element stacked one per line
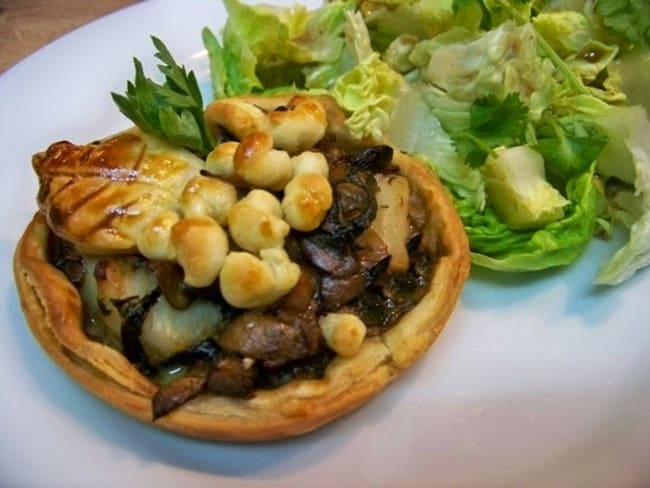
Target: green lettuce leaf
<point>626,158</point>
<point>367,92</point>
<point>627,154</point>
<point>498,62</point>
<point>422,19</point>
<point>634,255</point>
<point>592,60</point>
<point>631,72</point>
<point>565,31</point>
<point>495,245</point>
<point>268,46</point>
<point>517,189</point>
<point>501,11</point>
<point>232,66</point>
<point>415,129</point>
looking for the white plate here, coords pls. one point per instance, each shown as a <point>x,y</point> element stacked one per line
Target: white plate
<point>537,380</point>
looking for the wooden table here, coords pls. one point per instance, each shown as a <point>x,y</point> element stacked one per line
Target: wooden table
<point>26,25</point>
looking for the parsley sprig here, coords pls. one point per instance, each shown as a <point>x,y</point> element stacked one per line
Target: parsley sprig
<point>627,18</point>
<point>492,123</point>
<point>173,110</point>
<point>569,145</point>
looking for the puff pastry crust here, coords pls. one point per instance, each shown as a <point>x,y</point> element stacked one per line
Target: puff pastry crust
<point>99,196</point>
<point>53,308</point>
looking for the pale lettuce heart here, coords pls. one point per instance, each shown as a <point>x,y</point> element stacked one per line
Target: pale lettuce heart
<point>516,186</point>
<point>367,92</point>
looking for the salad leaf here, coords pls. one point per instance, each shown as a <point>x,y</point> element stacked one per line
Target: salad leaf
<point>627,153</point>
<point>634,255</point>
<point>571,35</point>
<point>172,110</point>
<point>501,11</point>
<point>565,31</point>
<point>232,69</point>
<point>367,91</point>
<point>498,62</point>
<point>591,60</point>
<point>272,46</point>
<point>570,79</point>
<point>632,74</point>
<point>497,246</point>
<point>626,158</point>
<point>515,183</point>
<point>421,19</point>
<point>417,130</point>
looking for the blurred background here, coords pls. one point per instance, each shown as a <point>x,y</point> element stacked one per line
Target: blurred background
<point>27,25</point>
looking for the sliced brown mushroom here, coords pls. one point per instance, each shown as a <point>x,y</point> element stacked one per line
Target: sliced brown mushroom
<point>233,376</point>
<point>336,292</point>
<point>179,391</point>
<point>275,340</point>
<point>330,254</point>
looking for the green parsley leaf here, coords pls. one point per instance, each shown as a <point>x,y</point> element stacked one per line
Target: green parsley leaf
<point>569,147</point>
<point>629,19</point>
<point>493,123</point>
<point>173,110</point>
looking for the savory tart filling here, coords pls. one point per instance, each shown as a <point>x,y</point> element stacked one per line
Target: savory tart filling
<point>286,247</point>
